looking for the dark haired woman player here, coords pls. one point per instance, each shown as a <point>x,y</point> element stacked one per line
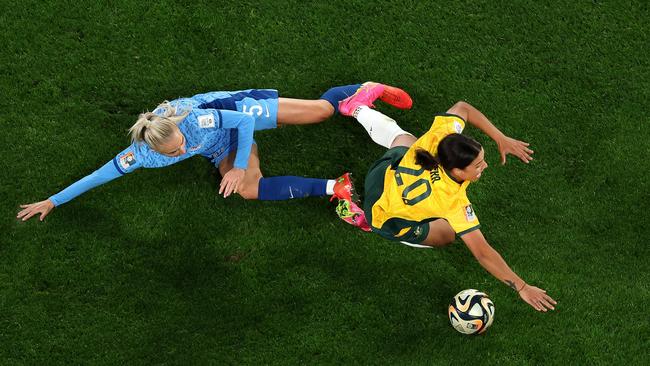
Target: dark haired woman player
<point>416,192</point>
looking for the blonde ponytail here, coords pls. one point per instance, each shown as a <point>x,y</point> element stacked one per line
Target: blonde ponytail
<point>154,129</point>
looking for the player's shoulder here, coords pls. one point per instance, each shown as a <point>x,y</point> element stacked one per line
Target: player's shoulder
<point>441,118</point>
<point>448,117</point>
<point>141,151</point>
<point>443,124</point>
<point>144,156</point>
<point>448,123</point>
<point>178,106</point>
<point>203,118</point>
<point>184,105</point>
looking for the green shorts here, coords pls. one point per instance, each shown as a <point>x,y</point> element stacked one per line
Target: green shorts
<point>374,188</point>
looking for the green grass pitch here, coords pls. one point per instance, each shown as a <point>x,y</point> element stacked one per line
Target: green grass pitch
<point>155,268</point>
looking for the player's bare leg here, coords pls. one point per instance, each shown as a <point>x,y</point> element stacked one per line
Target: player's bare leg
<point>248,187</point>
<point>440,234</point>
<point>302,111</point>
<point>405,140</point>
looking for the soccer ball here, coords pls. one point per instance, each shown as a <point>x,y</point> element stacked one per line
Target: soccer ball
<point>471,312</point>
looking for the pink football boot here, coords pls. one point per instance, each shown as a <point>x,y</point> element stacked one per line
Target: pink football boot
<point>346,208</point>
<point>351,213</point>
<point>371,91</point>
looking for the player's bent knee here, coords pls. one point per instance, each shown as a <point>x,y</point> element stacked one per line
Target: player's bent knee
<point>247,195</point>
<point>441,242</point>
<point>325,112</point>
<point>440,239</point>
<point>249,188</point>
<point>247,192</point>
<point>448,238</point>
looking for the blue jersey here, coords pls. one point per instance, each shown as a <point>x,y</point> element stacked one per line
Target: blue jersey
<point>208,132</point>
<point>217,123</point>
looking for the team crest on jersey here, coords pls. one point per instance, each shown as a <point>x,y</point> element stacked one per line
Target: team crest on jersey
<point>458,127</point>
<point>206,121</point>
<point>194,148</point>
<point>469,213</point>
<point>127,160</point>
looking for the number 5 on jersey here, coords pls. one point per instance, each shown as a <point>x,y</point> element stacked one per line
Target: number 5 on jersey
<point>255,110</point>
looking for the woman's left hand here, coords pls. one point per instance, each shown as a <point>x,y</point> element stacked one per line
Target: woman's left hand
<point>517,148</point>
<point>537,298</point>
<point>230,181</point>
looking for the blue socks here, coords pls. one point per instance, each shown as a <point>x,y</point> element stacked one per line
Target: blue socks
<point>288,187</point>
<point>337,94</point>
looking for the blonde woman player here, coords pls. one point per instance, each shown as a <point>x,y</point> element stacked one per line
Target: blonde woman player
<point>416,192</point>
<point>220,126</point>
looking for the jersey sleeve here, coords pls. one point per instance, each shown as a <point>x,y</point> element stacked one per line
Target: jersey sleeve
<point>128,160</point>
<point>124,162</point>
<point>463,219</point>
<point>244,123</point>
<point>442,126</point>
<point>105,174</point>
<point>446,124</point>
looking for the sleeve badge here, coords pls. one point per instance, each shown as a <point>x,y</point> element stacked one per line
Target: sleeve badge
<point>458,127</point>
<point>469,213</point>
<point>127,160</point>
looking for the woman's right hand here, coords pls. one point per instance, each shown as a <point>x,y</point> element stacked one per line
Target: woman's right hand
<point>508,145</point>
<point>43,207</point>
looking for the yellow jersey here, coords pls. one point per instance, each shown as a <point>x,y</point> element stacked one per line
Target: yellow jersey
<point>413,195</point>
